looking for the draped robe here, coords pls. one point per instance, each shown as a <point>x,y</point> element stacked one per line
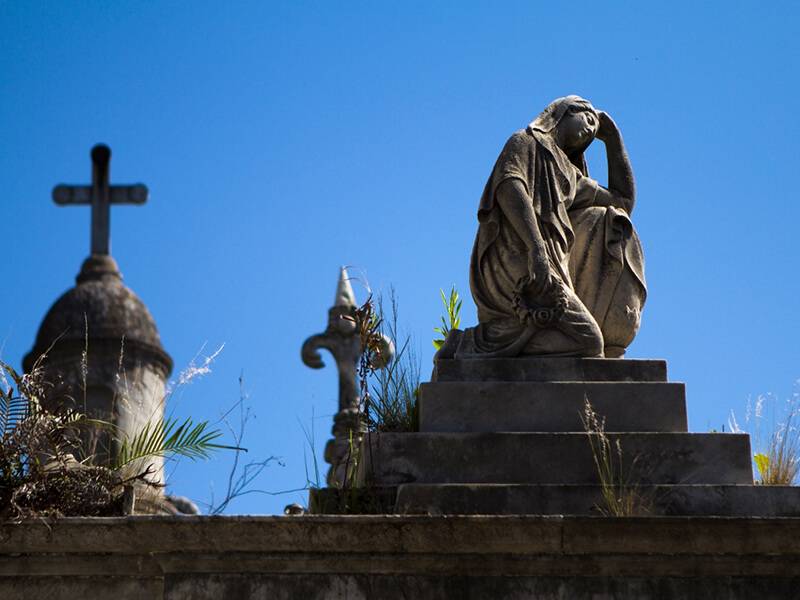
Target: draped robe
<point>592,250</point>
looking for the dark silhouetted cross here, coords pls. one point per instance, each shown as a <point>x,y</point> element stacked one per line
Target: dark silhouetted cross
<point>100,195</point>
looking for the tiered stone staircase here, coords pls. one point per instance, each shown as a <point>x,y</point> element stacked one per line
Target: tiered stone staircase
<point>506,436</point>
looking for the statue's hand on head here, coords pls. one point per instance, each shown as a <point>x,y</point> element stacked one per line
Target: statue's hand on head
<point>607,128</point>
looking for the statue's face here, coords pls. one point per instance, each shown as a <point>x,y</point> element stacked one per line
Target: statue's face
<point>576,129</point>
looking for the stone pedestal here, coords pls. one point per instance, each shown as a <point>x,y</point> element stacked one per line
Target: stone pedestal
<point>506,436</point>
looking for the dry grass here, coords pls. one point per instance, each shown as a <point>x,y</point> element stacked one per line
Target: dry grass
<point>39,474</point>
<point>47,463</point>
<point>777,450</point>
<point>621,493</point>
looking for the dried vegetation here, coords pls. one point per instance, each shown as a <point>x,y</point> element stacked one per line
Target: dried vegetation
<point>46,468</point>
<point>622,494</point>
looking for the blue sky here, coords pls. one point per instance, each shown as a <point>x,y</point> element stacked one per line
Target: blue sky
<point>281,140</point>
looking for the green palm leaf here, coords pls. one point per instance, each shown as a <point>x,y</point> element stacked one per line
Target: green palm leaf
<point>13,408</point>
<point>170,437</point>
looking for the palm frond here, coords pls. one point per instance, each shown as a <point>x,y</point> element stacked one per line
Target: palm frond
<point>170,437</point>
<point>14,406</point>
<point>13,409</point>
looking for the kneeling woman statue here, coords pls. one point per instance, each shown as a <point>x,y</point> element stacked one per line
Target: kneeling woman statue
<point>557,268</point>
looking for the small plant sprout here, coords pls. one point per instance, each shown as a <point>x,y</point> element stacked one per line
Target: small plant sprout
<point>313,479</point>
<point>452,306</point>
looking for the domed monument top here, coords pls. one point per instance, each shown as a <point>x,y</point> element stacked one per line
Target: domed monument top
<point>100,307</point>
<point>98,346</point>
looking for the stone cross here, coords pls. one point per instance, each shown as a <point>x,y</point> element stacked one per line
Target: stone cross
<point>342,340</point>
<point>100,195</point>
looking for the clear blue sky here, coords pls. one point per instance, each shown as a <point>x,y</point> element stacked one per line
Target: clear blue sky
<point>281,140</point>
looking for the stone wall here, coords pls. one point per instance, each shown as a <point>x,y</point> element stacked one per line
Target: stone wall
<point>393,557</point>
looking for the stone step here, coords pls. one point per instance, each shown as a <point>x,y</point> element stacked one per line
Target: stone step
<point>647,458</point>
<point>550,407</point>
<point>549,369</point>
<point>488,499</point>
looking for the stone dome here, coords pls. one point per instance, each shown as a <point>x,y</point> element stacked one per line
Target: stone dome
<point>102,305</point>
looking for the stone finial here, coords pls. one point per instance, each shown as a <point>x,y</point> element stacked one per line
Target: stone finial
<point>341,339</point>
<point>344,291</point>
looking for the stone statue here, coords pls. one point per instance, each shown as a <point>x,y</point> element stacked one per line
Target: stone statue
<point>557,268</point>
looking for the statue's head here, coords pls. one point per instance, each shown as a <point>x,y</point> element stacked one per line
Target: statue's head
<point>572,121</point>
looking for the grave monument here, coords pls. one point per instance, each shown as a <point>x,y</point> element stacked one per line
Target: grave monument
<point>557,274</point>
<point>557,268</point>
<point>495,496</point>
<point>98,345</point>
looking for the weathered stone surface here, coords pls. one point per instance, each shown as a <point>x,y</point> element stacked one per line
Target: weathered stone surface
<point>549,369</point>
<point>103,349</point>
<point>696,500</point>
<point>372,500</point>
<point>86,586</point>
<point>474,587</point>
<point>473,557</point>
<point>102,307</point>
<point>397,458</point>
<point>515,406</point>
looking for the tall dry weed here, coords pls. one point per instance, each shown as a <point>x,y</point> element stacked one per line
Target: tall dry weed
<point>621,492</point>
<point>775,435</point>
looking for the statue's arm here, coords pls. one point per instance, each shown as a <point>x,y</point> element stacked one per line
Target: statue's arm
<point>517,206</point>
<point>621,191</point>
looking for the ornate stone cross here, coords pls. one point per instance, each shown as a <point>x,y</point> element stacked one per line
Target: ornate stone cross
<point>342,340</point>
<point>100,195</point>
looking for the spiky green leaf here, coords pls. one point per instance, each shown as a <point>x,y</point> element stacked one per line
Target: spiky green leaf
<point>170,437</point>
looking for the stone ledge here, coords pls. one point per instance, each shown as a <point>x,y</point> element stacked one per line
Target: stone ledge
<point>676,458</point>
<point>390,534</point>
<point>550,369</point>
<point>393,557</point>
<point>551,406</point>
<point>696,500</point>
